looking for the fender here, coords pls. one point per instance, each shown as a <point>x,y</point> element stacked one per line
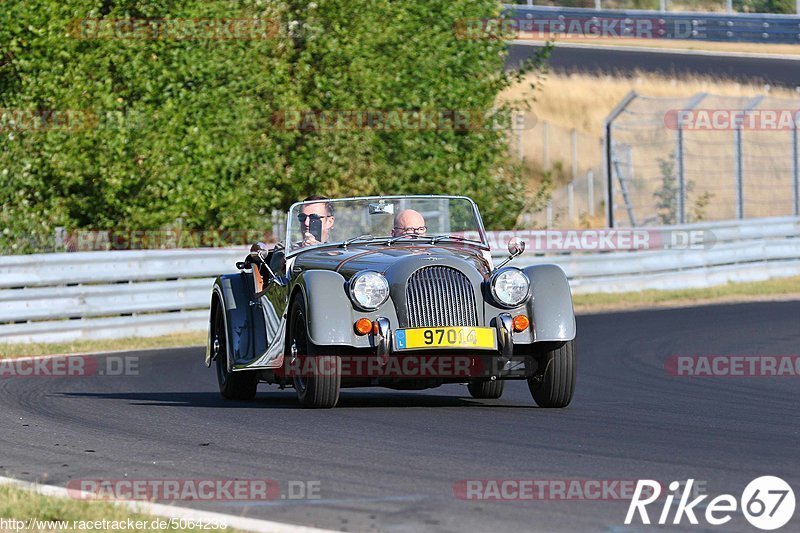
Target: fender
<point>330,312</point>
<point>550,306</point>
<point>230,290</point>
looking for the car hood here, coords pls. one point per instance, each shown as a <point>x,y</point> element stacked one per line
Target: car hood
<point>380,257</point>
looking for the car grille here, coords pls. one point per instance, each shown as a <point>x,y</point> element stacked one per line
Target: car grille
<point>440,296</point>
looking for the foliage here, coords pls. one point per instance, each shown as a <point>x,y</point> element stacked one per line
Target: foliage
<point>186,128</point>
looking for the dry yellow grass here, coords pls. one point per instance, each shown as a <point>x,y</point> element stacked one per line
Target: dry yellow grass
<point>679,44</point>
<point>583,101</point>
<point>107,345</point>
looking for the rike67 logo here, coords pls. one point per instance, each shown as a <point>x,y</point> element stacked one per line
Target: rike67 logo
<point>767,502</point>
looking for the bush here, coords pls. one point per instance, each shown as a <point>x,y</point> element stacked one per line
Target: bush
<point>185,129</point>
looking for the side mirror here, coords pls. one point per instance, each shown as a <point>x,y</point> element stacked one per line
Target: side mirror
<point>259,247</point>
<point>516,247</point>
<point>259,257</point>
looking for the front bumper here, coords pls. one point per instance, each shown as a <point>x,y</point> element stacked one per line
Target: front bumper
<point>382,339</point>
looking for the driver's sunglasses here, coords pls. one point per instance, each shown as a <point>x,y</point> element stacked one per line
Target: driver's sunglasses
<point>416,231</point>
<point>302,217</point>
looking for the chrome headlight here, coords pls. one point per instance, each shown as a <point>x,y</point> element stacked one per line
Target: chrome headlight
<point>510,287</point>
<point>368,290</point>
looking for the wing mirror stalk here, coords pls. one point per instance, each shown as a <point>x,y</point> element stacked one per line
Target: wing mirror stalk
<point>515,249</point>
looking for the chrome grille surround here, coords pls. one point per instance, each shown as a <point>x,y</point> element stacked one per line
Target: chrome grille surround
<point>440,296</point>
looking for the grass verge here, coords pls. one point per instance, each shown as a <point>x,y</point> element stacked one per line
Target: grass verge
<point>685,44</point>
<point>62,514</point>
<point>775,289</point>
<point>106,345</point>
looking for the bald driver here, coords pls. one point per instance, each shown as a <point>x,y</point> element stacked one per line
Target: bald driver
<point>409,222</point>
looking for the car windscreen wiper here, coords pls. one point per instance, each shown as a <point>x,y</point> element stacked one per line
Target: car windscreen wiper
<point>351,240</point>
<point>407,236</point>
<point>437,238</point>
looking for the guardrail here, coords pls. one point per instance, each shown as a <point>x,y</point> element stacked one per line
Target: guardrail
<point>92,295</point>
<point>741,27</point>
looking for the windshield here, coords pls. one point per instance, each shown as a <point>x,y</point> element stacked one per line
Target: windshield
<point>386,219</point>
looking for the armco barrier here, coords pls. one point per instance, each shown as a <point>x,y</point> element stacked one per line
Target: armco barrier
<point>95,295</point>
<point>739,27</point>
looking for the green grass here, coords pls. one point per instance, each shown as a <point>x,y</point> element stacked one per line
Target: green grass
<point>83,346</point>
<point>766,290</point>
<point>19,504</point>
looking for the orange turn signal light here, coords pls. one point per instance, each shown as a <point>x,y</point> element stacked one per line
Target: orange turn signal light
<point>521,323</point>
<point>363,326</point>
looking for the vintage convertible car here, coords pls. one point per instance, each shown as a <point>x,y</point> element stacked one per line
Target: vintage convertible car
<point>391,291</point>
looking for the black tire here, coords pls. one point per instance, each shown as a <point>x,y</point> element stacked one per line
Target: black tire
<point>554,382</point>
<point>316,390</point>
<point>232,385</point>
<point>486,390</point>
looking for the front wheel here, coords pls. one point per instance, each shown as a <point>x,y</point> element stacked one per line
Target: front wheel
<point>554,382</point>
<point>232,385</point>
<point>486,390</point>
<point>318,378</point>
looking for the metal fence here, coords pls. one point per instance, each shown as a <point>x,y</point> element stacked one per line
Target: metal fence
<point>574,161</point>
<point>732,7</point>
<point>655,24</point>
<point>118,294</point>
<point>708,157</point>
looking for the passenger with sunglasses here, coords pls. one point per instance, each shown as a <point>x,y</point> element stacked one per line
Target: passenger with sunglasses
<point>316,220</point>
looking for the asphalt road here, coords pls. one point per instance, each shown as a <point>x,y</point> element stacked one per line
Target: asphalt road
<point>387,460</point>
<point>773,71</point>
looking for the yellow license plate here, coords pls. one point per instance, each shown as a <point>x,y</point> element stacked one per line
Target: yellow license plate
<point>428,338</point>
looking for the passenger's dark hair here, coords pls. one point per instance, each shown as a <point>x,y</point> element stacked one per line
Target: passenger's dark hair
<point>328,203</point>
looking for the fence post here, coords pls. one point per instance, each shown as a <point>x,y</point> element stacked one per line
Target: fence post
<point>662,5</point>
<point>737,139</point>
<point>59,239</point>
<point>571,200</point>
<point>590,191</point>
<point>681,170</point>
<point>729,6</point>
<point>598,6</point>
<point>795,170</point>
<point>608,155</point>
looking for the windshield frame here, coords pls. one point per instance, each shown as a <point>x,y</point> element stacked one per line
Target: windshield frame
<point>483,244</point>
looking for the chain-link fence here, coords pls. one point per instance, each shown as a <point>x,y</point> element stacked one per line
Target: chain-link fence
<point>707,157</point>
<point>573,160</point>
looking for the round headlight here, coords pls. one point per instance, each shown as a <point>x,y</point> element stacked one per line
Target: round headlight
<point>510,287</point>
<point>369,290</point>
